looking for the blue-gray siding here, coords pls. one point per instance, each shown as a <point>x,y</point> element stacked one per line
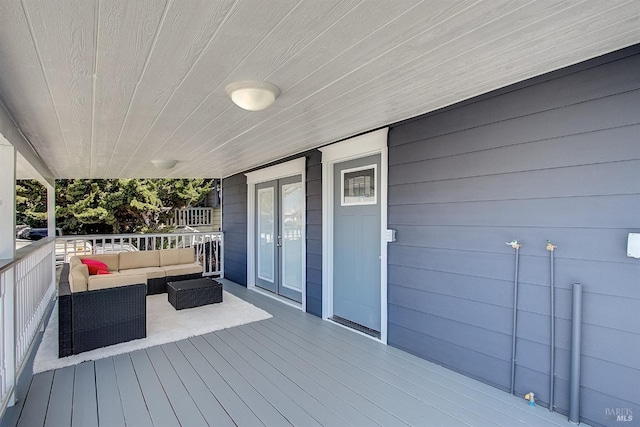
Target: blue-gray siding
<point>314,232</point>
<point>234,225</point>
<point>556,157</point>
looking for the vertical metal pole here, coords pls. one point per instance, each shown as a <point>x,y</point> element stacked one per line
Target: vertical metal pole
<point>515,245</point>
<point>515,321</point>
<point>576,350</point>
<point>551,248</point>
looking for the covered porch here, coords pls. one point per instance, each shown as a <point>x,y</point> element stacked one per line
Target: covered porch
<point>507,121</point>
<point>291,369</point>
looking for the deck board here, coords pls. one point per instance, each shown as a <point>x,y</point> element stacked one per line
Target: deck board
<point>430,393</point>
<point>206,402</point>
<point>239,412</point>
<point>298,372</point>
<point>259,405</point>
<point>292,412</point>
<point>157,402</point>
<point>110,409</point>
<point>399,404</point>
<point>421,370</point>
<point>299,392</point>
<point>182,403</point>
<point>325,376</point>
<point>85,408</point>
<point>384,394</point>
<point>60,401</point>
<point>134,407</point>
<point>291,369</point>
<point>35,406</point>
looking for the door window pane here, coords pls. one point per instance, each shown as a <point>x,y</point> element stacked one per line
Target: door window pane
<point>266,231</point>
<point>292,206</point>
<point>359,186</point>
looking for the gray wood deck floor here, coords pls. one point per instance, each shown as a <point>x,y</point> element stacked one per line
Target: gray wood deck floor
<point>292,369</point>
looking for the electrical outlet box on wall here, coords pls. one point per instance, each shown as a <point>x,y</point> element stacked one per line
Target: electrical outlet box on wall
<point>633,245</point>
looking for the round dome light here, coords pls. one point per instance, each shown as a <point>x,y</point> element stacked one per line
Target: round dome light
<point>253,96</point>
<point>164,164</point>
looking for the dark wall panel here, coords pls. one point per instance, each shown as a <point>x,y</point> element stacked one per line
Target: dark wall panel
<point>234,225</point>
<point>314,232</point>
<point>556,157</point>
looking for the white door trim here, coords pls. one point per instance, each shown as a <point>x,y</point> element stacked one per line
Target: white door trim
<point>360,146</point>
<point>282,170</point>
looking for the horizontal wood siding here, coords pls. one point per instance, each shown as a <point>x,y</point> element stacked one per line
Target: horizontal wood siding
<point>314,232</point>
<point>234,226</point>
<point>558,158</point>
<point>234,219</point>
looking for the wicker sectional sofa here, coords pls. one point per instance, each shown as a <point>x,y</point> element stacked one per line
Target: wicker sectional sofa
<point>99,310</point>
<point>157,266</point>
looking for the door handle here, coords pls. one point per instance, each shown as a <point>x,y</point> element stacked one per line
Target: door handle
<point>279,244</point>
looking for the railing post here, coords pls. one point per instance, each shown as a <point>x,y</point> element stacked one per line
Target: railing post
<point>8,354</point>
<point>7,251</point>
<point>51,223</point>
<point>221,255</point>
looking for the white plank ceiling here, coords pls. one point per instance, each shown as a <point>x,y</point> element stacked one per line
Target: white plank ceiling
<point>102,87</point>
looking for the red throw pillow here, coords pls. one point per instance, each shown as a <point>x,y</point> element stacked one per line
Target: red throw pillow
<point>103,272</point>
<point>94,265</point>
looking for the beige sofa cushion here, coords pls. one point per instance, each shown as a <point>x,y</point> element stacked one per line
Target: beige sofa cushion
<point>74,262</point>
<point>128,260</point>
<point>111,260</point>
<point>78,278</point>
<point>187,255</point>
<point>177,270</point>
<point>104,281</point>
<point>169,257</point>
<point>150,272</point>
<point>176,256</point>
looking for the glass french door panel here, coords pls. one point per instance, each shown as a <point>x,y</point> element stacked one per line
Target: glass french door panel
<point>292,214</point>
<point>266,233</point>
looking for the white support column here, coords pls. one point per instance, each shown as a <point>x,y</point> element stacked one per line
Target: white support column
<point>7,200</point>
<point>8,251</point>
<point>51,224</point>
<point>51,209</point>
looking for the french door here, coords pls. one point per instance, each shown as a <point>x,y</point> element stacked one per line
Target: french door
<point>279,226</point>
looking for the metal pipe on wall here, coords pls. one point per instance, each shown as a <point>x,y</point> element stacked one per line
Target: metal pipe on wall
<point>551,248</point>
<point>515,245</point>
<point>576,351</point>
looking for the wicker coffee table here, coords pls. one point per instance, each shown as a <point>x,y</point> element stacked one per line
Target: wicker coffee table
<point>194,292</point>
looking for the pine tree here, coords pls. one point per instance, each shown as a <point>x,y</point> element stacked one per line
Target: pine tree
<point>102,206</point>
<point>31,203</point>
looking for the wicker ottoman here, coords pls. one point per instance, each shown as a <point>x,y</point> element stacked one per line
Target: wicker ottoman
<point>194,293</point>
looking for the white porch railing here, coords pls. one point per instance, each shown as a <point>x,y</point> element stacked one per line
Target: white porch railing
<point>192,217</point>
<point>208,246</point>
<point>27,285</point>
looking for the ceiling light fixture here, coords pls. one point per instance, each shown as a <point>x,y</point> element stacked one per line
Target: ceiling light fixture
<point>252,95</point>
<point>164,164</point>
